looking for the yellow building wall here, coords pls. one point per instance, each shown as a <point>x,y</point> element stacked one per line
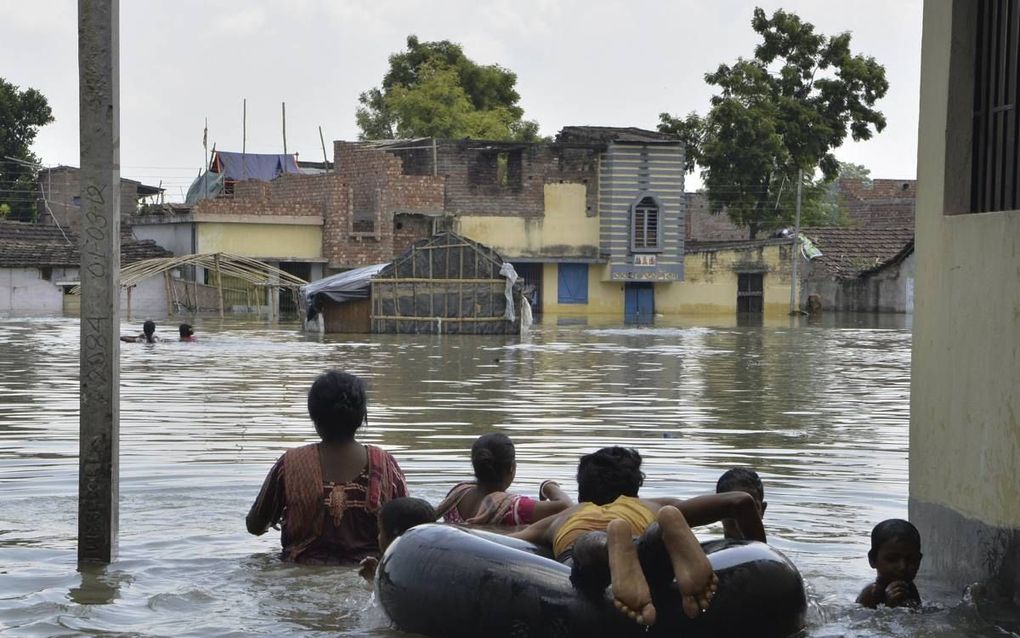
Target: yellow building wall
<point>710,286</point>
<point>604,297</point>
<point>965,388</point>
<point>282,241</point>
<point>710,282</point>
<point>566,228</point>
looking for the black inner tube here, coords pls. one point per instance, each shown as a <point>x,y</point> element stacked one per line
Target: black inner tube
<point>443,581</point>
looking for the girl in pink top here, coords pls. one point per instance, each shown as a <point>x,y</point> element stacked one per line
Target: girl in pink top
<point>485,500</point>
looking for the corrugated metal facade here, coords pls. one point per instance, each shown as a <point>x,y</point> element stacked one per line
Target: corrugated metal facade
<point>628,173</point>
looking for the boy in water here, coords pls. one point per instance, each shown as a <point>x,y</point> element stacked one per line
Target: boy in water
<point>395,518</point>
<point>741,479</point>
<point>895,555</point>
<point>612,537</point>
<point>187,333</point>
<point>148,334</point>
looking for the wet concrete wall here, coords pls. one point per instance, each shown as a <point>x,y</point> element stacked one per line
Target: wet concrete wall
<point>964,430</point>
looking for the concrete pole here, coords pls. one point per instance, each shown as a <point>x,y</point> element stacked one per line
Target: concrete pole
<point>99,429</point>
<point>794,305</point>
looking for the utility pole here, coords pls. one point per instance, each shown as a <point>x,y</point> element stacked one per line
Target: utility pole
<point>99,137</point>
<point>794,306</point>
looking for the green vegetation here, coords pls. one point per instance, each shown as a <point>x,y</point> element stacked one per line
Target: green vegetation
<point>21,115</point>
<point>433,90</point>
<point>787,108</point>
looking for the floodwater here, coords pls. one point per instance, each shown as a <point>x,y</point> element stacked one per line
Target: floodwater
<point>820,410</point>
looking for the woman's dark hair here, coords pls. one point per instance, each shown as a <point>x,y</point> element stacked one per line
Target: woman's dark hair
<point>893,529</point>
<point>148,329</point>
<point>607,474</point>
<point>338,405</point>
<point>401,514</point>
<point>492,456</point>
<point>185,330</point>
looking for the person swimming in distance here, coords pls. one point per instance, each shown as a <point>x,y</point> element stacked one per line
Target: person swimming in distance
<point>148,334</point>
<point>186,332</point>
<point>895,556</point>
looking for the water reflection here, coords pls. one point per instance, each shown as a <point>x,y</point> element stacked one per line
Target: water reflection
<point>99,585</point>
<point>819,408</point>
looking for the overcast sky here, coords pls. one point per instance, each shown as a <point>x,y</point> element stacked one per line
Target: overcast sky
<point>600,62</point>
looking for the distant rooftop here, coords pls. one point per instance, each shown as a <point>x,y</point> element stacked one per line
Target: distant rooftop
<point>607,134</point>
<point>848,253</point>
<point>24,245</point>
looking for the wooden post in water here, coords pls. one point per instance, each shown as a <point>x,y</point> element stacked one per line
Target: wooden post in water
<point>219,281</point>
<point>99,429</point>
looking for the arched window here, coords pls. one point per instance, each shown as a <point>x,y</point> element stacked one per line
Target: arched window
<point>644,225</point>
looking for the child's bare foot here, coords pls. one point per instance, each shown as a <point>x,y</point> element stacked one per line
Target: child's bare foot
<point>694,575</point>
<point>630,589</point>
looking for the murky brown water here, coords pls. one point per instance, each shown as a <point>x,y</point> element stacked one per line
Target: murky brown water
<point>821,411</point>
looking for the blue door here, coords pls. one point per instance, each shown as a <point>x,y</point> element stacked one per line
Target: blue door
<point>639,302</point>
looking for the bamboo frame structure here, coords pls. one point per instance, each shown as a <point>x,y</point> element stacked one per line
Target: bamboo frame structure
<point>434,283</point>
<point>253,272</point>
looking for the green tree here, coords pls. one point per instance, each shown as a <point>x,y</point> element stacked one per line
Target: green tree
<point>21,115</point>
<point>433,90</point>
<point>787,108</point>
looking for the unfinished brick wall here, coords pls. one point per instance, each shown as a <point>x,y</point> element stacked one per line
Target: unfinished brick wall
<point>879,203</point>
<point>378,190</point>
<point>287,195</point>
<point>407,229</point>
<point>485,178</point>
<point>60,189</point>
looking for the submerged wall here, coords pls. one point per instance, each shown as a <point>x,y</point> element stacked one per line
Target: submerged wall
<point>965,403</point>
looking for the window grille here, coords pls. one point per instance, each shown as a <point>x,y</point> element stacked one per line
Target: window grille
<point>645,233</point>
<point>996,123</point>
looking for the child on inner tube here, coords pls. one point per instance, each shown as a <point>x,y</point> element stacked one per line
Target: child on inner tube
<point>485,501</point>
<point>615,538</point>
<point>741,479</point>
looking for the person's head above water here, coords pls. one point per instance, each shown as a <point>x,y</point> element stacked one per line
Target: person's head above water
<point>338,405</point>
<point>185,330</point>
<point>401,514</point>
<point>609,473</point>
<point>743,479</point>
<point>895,550</point>
<point>494,460</point>
<point>148,328</point>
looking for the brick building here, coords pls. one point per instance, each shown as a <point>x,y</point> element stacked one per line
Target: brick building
<point>878,203</point>
<point>59,202</point>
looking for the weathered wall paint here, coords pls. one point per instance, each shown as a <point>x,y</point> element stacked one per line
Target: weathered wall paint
<point>177,238</point>
<point>627,174</point>
<point>710,285</point>
<point>965,406</point>
<point>24,291</point>
<point>564,231</point>
<point>269,241</point>
<point>604,297</point>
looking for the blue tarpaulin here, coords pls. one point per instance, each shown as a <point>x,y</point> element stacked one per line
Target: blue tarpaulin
<point>259,166</point>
